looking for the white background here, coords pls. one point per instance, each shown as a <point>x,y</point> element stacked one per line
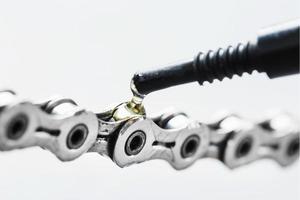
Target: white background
<point>89,49</point>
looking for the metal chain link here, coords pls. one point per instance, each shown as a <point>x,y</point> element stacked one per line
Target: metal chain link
<point>67,130</point>
<point>58,125</point>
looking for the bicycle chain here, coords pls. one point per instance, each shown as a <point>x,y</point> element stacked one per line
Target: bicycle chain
<point>68,131</point>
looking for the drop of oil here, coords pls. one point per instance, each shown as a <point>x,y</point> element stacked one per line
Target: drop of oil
<point>136,103</point>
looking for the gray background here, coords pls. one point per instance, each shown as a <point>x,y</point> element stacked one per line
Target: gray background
<point>89,49</point>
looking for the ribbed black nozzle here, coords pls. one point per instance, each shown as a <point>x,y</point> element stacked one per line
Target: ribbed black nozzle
<point>205,67</point>
<point>233,60</point>
<point>276,52</point>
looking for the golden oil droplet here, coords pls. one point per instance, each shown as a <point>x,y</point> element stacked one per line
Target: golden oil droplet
<point>132,108</point>
<point>136,103</point>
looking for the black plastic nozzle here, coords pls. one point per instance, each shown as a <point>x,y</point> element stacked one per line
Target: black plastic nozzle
<point>275,52</point>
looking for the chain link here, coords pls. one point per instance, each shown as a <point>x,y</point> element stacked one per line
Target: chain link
<point>68,131</point>
<point>58,125</point>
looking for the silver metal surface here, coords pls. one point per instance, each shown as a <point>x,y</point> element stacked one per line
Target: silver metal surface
<point>47,130</point>
<point>128,137</point>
